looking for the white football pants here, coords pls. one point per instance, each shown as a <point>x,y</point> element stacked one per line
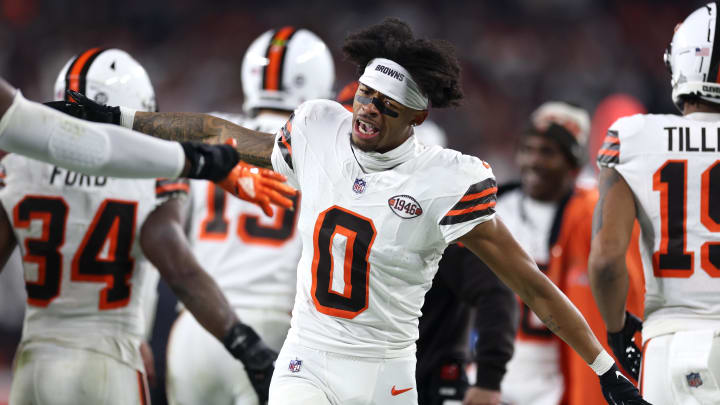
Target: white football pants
<point>682,368</point>
<point>57,375</point>
<point>201,371</point>
<point>305,376</point>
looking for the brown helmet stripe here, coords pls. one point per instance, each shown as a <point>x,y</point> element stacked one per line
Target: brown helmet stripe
<point>272,73</point>
<point>77,72</point>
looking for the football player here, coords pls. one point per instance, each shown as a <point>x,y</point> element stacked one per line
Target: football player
<point>253,258</point>
<point>378,210</point>
<point>463,288</point>
<point>550,214</point>
<point>664,170</point>
<point>85,241</point>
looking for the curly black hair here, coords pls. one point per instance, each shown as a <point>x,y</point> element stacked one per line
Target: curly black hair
<point>431,62</point>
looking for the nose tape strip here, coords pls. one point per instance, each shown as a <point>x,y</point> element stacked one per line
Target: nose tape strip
<point>378,104</point>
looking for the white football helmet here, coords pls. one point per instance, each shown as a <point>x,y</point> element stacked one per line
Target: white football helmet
<point>693,57</point>
<point>108,76</point>
<point>284,68</point>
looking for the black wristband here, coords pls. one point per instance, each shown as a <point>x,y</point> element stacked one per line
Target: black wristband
<point>210,162</point>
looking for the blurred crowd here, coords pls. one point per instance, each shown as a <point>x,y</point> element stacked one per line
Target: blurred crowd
<point>515,54</point>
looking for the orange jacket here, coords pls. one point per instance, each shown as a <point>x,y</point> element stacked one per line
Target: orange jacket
<point>568,261</point>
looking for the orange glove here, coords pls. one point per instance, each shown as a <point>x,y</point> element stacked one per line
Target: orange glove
<point>259,186</point>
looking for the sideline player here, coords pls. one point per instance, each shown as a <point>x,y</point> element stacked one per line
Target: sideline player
<point>550,214</point>
<point>664,170</point>
<point>378,210</point>
<point>253,258</point>
<point>82,239</point>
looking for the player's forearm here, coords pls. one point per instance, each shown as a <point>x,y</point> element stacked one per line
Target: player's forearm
<point>204,299</point>
<point>609,283</point>
<point>165,246</point>
<point>41,133</point>
<point>562,318</point>
<point>253,147</point>
<point>613,220</point>
<point>495,245</point>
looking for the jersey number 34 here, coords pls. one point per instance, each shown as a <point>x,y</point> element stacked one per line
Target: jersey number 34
<point>113,227</point>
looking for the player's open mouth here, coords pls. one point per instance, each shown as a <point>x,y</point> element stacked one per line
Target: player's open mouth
<point>365,129</point>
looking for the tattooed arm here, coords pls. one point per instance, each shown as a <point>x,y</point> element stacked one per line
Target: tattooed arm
<point>612,229</point>
<point>492,242</point>
<point>254,147</point>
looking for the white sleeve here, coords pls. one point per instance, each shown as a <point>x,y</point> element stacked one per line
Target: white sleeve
<point>609,152</point>
<point>290,146</point>
<point>471,205</point>
<point>39,132</point>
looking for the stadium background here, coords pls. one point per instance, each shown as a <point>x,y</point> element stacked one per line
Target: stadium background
<point>515,54</point>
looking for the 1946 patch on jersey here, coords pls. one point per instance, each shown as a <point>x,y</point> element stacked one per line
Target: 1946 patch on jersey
<point>405,206</point>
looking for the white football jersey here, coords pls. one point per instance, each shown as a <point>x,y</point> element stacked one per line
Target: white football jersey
<point>251,256</point>
<point>84,269</point>
<point>672,165</point>
<point>371,242</point>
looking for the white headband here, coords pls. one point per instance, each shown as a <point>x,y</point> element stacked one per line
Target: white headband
<point>394,81</point>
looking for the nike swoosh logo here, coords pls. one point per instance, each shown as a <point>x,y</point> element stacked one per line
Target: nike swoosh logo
<point>620,375</point>
<point>394,391</point>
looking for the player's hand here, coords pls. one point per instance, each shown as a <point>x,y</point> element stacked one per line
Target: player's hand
<point>618,390</point>
<point>481,396</point>
<point>259,360</point>
<point>87,109</point>
<point>623,345</point>
<point>259,186</point>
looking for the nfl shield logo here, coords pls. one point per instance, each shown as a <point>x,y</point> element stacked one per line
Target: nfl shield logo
<point>359,186</point>
<point>295,365</point>
<point>694,380</point>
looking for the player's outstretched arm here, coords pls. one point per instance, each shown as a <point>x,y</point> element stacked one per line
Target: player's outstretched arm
<point>164,243</point>
<point>41,133</point>
<point>492,242</point>
<point>613,221</point>
<point>253,147</point>
<point>495,245</point>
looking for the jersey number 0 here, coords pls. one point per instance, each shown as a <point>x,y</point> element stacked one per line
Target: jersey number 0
<point>359,235</point>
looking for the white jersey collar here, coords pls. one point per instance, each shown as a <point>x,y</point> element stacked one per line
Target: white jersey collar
<point>372,162</point>
<point>704,116</point>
